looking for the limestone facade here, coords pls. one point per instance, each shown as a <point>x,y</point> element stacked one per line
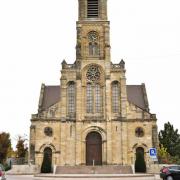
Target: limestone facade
<point>92,97</point>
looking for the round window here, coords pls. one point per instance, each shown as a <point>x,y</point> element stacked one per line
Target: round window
<point>139,132</point>
<point>93,73</point>
<point>48,131</point>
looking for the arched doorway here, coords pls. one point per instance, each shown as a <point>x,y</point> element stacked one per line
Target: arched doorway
<point>140,164</point>
<point>47,161</point>
<point>93,149</point>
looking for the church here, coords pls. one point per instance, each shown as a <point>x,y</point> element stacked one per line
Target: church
<point>92,117</point>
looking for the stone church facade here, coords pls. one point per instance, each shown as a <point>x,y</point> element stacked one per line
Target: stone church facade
<point>93,117</point>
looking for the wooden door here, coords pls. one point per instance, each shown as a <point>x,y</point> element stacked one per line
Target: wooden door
<point>47,161</point>
<point>140,164</point>
<point>93,149</point>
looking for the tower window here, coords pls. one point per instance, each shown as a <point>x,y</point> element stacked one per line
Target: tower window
<point>92,8</point>
<point>93,49</point>
<point>93,43</point>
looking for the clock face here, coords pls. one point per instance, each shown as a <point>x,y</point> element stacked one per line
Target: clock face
<point>93,36</point>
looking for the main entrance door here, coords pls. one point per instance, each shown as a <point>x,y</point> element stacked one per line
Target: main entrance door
<point>93,149</point>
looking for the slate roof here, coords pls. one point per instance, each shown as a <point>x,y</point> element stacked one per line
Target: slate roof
<point>51,96</point>
<point>135,95</point>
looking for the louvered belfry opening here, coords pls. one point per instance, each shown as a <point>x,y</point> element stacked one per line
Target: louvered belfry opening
<point>93,9</point>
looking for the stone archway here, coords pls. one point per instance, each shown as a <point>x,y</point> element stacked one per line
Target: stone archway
<point>93,149</point>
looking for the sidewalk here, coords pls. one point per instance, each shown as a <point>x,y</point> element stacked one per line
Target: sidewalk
<point>95,176</point>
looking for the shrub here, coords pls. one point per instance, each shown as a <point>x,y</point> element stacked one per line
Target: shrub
<point>7,167</point>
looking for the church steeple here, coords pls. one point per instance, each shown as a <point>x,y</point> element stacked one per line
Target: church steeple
<point>92,31</point>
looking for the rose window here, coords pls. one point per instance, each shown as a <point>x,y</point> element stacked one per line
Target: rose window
<point>93,73</point>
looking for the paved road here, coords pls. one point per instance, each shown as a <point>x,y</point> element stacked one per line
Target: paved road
<point>12,177</point>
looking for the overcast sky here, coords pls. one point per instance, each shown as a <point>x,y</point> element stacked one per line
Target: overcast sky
<point>36,35</point>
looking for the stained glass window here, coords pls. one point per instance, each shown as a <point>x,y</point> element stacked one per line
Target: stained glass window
<point>115,97</point>
<point>93,73</point>
<point>94,98</point>
<point>71,97</point>
<point>89,98</point>
<point>98,103</point>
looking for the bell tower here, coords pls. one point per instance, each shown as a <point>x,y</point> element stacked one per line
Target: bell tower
<point>93,9</point>
<point>92,31</point>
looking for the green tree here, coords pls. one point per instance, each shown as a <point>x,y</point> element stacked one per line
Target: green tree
<point>170,139</point>
<point>5,145</point>
<point>163,155</point>
<point>21,147</point>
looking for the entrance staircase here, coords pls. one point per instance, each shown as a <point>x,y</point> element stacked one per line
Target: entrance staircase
<point>106,169</point>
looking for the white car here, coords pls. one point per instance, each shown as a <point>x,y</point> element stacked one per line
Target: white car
<point>2,173</point>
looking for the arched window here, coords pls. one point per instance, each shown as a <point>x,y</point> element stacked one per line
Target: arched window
<point>98,103</point>
<point>94,98</point>
<point>93,49</point>
<point>71,92</point>
<point>92,8</point>
<point>89,93</point>
<point>115,97</point>
<point>94,91</point>
<point>90,49</point>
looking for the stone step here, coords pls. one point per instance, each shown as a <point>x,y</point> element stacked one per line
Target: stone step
<point>109,169</point>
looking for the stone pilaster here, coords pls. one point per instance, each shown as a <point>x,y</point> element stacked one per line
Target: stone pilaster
<point>109,142</point>
<point>63,143</point>
<point>79,143</point>
<point>123,98</point>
